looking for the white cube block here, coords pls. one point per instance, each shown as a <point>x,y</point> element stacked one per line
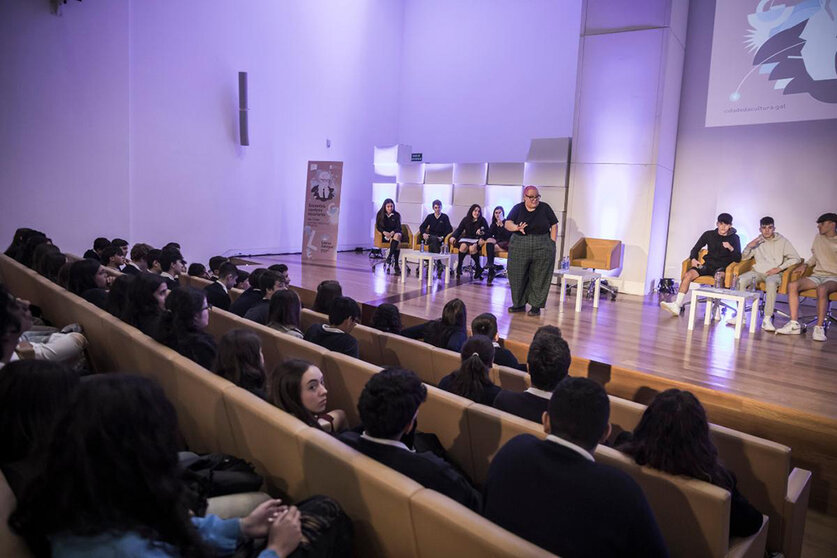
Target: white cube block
<point>456,213</point>
<point>441,192</point>
<point>410,193</point>
<point>410,212</point>
<point>555,197</point>
<point>505,173</point>
<point>438,173</point>
<point>385,172</point>
<point>545,174</point>
<point>467,194</point>
<point>380,192</point>
<point>410,172</point>
<point>392,154</point>
<point>549,149</point>
<point>504,196</point>
<point>470,173</point>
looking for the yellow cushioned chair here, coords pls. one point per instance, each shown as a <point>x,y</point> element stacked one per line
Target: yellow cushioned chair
<point>379,242</point>
<point>597,253</point>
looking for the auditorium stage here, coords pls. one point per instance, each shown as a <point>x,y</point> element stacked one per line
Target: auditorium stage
<point>632,332</point>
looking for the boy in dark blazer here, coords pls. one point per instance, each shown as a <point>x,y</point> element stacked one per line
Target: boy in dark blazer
<point>218,293</point>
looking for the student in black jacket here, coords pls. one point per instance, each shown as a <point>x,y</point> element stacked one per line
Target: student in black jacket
<point>388,407</point>
<point>554,494</point>
<point>98,245</point>
<point>498,237</point>
<point>471,379</point>
<point>388,224</point>
<point>469,237</point>
<point>145,303</point>
<point>269,283</point>
<point>342,319</point>
<point>486,324</point>
<point>182,326</point>
<point>549,361</point>
<point>446,333</point>
<point>88,279</point>
<point>249,297</point>
<point>435,227</point>
<point>723,247</point>
<point>218,292</point>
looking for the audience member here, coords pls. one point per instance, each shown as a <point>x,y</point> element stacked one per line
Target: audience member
<point>218,292</point>
<point>182,326</point>
<point>327,292</point>
<point>51,264</point>
<point>98,245</point>
<point>11,325</point>
<point>486,324</point>
<point>112,257</point>
<point>118,295</point>
<point>34,241</point>
<point>174,246</point>
<point>32,395</point>
<point>269,283</point>
<point>342,319</point>
<point>139,259</point>
<point>243,280</point>
<point>673,436</point>
<point>549,362</point>
<point>448,332</point>
<point>172,265</point>
<point>197,270</point>
<point>554,494</point>
<point>40,253</point>
<point>153,259</point>
<point>18,240</point>
<point>88,280</point>
<point>241,361</point>
<point>387,318</point>
<point>111,484</point>
<point>298,387</point>
<point>282,271</point>
<point>122,244</point>
<point>284,313</point>
<point>249,297</point>
<point>471,380</point>
<point>388,407</point>
<point>215,266</point>
<point>145,302</point>
<point>43,342</point>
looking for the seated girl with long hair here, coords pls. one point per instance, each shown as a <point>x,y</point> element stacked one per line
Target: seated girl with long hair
<point>182,326</point>
<point>448,332</point>
<point>89,280</point>
<point>283,313</point>
<point>145,302</point>
<point>241,361</point>
<point>297,387</point>
<point>471,380</point>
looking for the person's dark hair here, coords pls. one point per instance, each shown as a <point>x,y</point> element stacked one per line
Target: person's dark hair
<point>140,252</point>
<point>108,252</point>
<point>241,278</point>
<point>172,246</point>
<point>51,264</point>
<point>278,268</point>
<point>27,256</point>
<point>389,402</point>
<point>18,239</point>
<point>268,280</point>
<point>436,202</point>
<point>387,318</point>
<point>226,269</point>
<point>327,291</point>
<point>379,217</point>
<point>119,242</point>
<point>118,295</point>
<point>766,221</point>
<point>168,257</point>
<point>549,358</point>
<point>216,261</point>
<point>196,270</point>
<point>673,436</point>
<point>153,256</point>
<point>284,308</point>
<point>256,277</point>
<point>32,395</point>
<point>81,277</point>
<point>40,254</point>
<point>827,217</point>
<point>63,278</point>
<point>579,411</point>
<point>471,379</point>
<point>485,324</point>
<point>112,468</point>
<point>342,308</point>
<point>239,360</point>
<point>286,387</point>
<point>182,306</point>
<point>140,302</point>
<point>725,218</point>
<point>100,243</point>
<point>471,209</point>
<point>454,318</point>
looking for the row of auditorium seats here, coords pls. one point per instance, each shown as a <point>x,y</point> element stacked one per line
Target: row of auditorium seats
<point>472,433</point>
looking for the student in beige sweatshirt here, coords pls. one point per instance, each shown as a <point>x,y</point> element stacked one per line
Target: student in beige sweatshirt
<point>773,254</point>
<point>823,278</point>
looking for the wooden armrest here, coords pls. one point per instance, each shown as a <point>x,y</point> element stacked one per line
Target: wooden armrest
<point>796,509</point>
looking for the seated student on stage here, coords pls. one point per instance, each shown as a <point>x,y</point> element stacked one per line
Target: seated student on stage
<point>435,227</point>
<point>215,266</point>
<point>112,257</point>
<point>327,292</point>
<point>182,326</point>
<point>269,283</point>
<point>118,295</point>
<point>549,362</point>
<point>388,408</point>
<point>388,225</point>
<point>98,245</point>
<point>146,302</point>
<point>342,319</point>
<point>297,387</point>
<point>284,312</point>
<point>471,380</point>
<point>88,279</point>
<point>553,493</point>
<point>249,297</point>
<point>486,324</point>
<point>387,318</point>
<point>448,332</point>
<point>197,270</point>
<point>498,237</point>
<point>139,259</point>
<point>469,237</point>
<point>172,265</point>
<point>111,485</point>
<point>823,278</point>
<point>723,248</point>
<point>673,436</point>
<point>33,393</point>
<point>241,361</point>
<point>218,292</point>
<point>243,280</point>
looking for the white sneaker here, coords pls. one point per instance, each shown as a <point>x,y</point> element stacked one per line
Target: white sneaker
<point>672,307</point>
<point>819,334</point>
<point>732,320</point>
<point>767,325</point>
<point>790,328</point>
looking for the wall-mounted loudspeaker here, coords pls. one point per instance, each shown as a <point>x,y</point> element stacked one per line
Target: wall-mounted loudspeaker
<point>243,130</point>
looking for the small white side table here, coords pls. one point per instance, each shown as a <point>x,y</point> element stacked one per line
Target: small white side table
<point>738,297</point>
<point>579,275</point>
<point>420,257</point>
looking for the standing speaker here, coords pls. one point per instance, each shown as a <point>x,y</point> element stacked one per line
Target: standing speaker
<point>243,130</point>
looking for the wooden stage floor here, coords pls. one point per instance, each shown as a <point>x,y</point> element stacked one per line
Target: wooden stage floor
<point>632,332</point>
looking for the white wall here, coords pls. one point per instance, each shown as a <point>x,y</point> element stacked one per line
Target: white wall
<point>480,78</point>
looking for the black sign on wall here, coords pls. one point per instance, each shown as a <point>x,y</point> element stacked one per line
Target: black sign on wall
<point>416,157</point>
